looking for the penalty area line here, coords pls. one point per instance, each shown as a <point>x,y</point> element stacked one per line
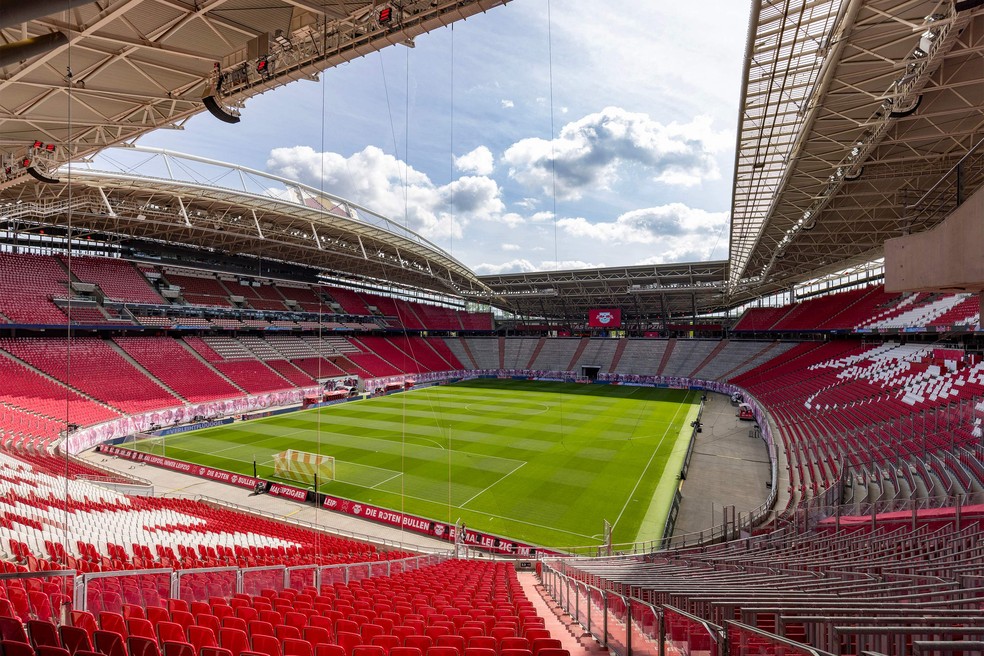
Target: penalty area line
<point>505,476</point>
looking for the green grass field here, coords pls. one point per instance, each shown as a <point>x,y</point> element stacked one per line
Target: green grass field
<point>544,463</point>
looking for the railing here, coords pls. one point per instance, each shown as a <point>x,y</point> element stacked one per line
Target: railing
<point>126,484</point>
<point>949,192</point>
<point>628,626</point>
<point>362,537</point>
<point>746,640</point>
<point>108,591</point>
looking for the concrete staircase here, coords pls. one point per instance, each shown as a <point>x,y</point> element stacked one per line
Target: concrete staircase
<point>471,356</point>
<point>710,357</point>
<point>619,350</point>
<point>536,352</point>
<point>583,344</point>
<point>666,356</point>
<point>146,372</point>
<point>208,364</point>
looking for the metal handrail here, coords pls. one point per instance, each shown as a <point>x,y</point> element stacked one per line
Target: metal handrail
<point>363,537</point>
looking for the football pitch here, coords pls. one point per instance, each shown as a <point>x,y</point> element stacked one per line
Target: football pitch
<point>543,463</point>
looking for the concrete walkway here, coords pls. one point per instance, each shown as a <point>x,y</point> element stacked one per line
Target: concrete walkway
<point>728,468</point>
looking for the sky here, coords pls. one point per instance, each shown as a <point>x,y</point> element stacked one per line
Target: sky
<point>539,135</point>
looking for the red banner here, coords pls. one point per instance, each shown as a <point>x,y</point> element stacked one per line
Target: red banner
<point>943,354</point>
<point>604,318</point>
<point>182,466</point>
<point>439,530</point>
<point>288,491</point>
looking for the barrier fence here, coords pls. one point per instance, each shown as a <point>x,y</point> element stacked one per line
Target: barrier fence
<point>109,591</point>
<point>628,626</point>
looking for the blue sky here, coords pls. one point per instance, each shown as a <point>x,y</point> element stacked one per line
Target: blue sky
<point>454,137</point>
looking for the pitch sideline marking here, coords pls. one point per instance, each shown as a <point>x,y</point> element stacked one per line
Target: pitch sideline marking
<point>494,483</point>
<point>648,464</point>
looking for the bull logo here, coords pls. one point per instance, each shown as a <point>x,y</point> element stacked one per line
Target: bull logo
<point>605,317</point>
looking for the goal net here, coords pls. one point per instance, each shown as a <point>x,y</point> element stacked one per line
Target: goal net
<point>302,466</point>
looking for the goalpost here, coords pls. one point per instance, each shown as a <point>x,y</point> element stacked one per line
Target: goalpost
<point>152,444</point>
<point>303,467</point>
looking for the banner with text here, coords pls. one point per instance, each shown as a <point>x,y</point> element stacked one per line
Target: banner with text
<point>181,466</point>
<point>439,530</point>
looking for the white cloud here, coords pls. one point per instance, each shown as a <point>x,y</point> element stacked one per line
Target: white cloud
<point>592,152</point>
<point>564,265</point>
<point>375,180</point>
<point>512,266</point>
<point>512,247</point>
<point>522,265</point>
<point>540,217</point>
<point>671,233</point>
<point>508,104</point>
<point>478,161</point>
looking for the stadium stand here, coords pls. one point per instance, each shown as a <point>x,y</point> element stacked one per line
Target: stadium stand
<point>109,529</point>
<point>443,350</point>
<point>374,364</point>
<point>168,360</point>
<point>517,353</point>
<point>844,588</point>
<point>252,375</point>
<point>597,353</point>
<point>95,369</point>
<point>118,280</point>
<point>27,284</point>
<point>885,411</point>
<point>29,390</point>
<point>306,298</point>
<point>553,354</point>
<point>349,302</point>
<point>90,315</point>
<point>864,309</point>
<point>641,356</point>
<point>199,289</point>
<point>683,361</point>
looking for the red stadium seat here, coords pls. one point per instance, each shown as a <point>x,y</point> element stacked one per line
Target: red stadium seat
<point>142,646</point>
<point>74,639</point>
<point>43,633</point>
<point>109,643</point>
<point>176,648</point>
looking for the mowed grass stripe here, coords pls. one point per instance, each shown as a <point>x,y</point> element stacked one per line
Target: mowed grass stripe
<point>540,462</point>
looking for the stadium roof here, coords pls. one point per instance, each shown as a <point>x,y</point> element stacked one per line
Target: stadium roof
<point>645,293</point>
<point>166,198</point>
<point>80,75</point>
<point>852,111</point>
